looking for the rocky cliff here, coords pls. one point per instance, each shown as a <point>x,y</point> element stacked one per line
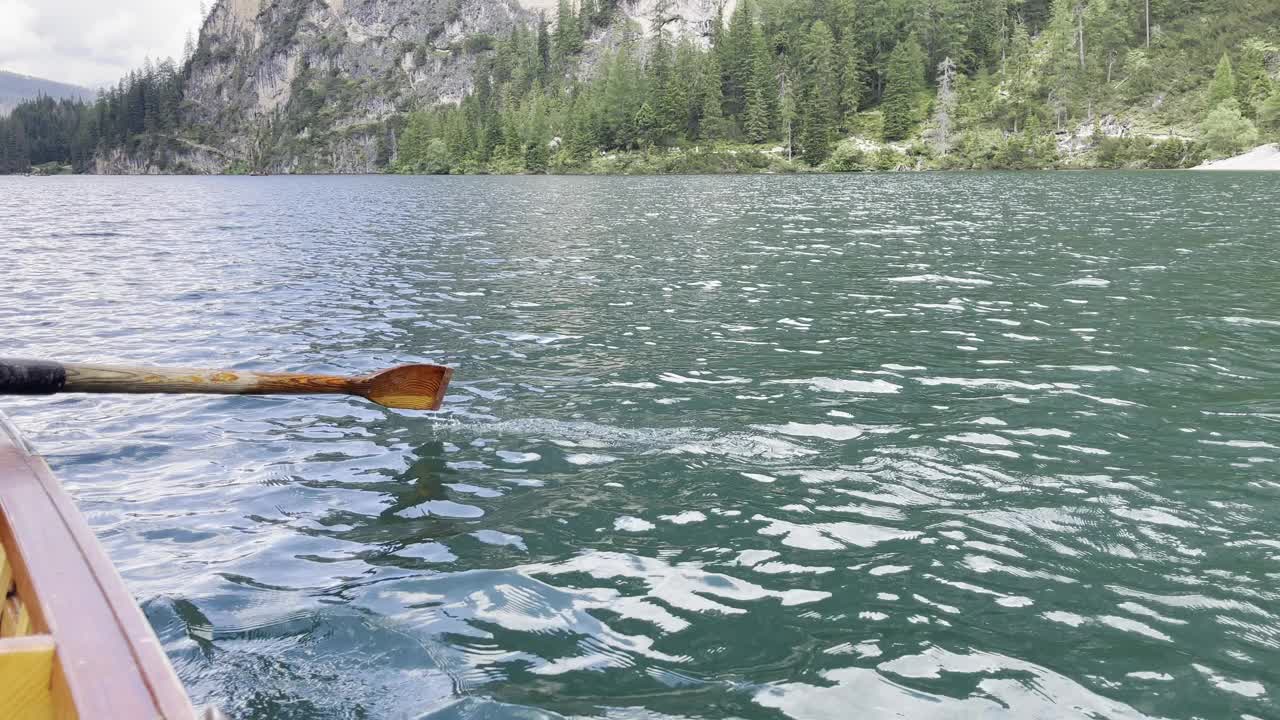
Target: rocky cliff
<point>323,85</point>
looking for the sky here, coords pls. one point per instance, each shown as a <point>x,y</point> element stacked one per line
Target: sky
<point>91,42</point>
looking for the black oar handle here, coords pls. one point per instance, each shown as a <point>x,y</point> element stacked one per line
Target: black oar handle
<point>31,377</point>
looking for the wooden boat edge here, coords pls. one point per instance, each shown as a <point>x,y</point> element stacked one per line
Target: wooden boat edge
<point>108,661</point>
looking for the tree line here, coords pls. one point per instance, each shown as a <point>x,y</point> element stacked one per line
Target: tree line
<point>988,81</point>
<point>71,132</point>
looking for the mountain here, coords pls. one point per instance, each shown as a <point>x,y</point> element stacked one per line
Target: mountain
<point>642,86</point>
<point>326,85</point>
<point>15,88</point>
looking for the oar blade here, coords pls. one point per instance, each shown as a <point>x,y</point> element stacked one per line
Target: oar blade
<point>410,387</point>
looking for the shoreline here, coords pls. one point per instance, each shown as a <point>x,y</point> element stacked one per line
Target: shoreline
<point>1208,166</point>
<point>930,171</point>
<point>1263,158</point>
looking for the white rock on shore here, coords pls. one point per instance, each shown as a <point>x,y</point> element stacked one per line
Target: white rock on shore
<point>1263,157</point>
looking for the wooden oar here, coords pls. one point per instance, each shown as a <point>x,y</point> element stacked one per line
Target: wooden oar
<point>410,387</point>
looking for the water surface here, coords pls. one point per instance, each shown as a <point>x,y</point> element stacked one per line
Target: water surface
<point>927,446</point>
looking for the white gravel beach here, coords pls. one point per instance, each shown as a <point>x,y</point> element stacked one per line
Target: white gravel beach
<point>1263,157</point>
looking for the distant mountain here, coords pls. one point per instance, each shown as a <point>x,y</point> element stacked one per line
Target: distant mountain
<point>15,88</point>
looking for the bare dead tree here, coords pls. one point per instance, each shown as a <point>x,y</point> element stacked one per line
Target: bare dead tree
<point>946,104</point>
<point>1079,13</point>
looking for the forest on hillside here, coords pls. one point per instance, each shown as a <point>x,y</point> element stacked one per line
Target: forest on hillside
<point>790,85</point>
<point>69,132</point>
<point>864,84</point>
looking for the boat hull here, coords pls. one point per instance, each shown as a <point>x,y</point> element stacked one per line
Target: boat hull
<point>73,643</point>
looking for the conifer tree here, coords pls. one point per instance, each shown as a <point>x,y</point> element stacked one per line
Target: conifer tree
<point>1269,112</point>
<point>684,101</point>
<point>711,122</point>
<point>851,79</point>
<point>819,101</point>
<point>622,88</point>
<point>905,77</point>
<point>543,45</point>
<point>1252,84</point>
<point>940,25</point>
<point>763,79</point>
<point>666,97</point>
<point>568,34</point>
<point>755,123</point>
<point>1223,85</point>
<point>737,61</point>
<point>1020,80</point>
<point>646,124</point>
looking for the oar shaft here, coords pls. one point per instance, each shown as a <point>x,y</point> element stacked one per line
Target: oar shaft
<point>38,377</point>
<point>406,387</point>
<point>31,377</point>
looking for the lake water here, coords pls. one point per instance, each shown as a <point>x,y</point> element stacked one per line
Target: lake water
<point>926,446</point>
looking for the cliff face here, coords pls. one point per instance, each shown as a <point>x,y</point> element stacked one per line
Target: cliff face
<point>323,85</point>
<point>316,85</point>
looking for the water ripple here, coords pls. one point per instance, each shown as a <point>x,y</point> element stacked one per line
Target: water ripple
<point>805,447</point>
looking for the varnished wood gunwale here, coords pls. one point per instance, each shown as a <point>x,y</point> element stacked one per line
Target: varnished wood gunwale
<point>108,662</point>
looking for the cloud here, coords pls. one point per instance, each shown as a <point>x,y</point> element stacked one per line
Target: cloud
<point>91,42</point>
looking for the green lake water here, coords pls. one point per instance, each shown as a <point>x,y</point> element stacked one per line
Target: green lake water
<point>922,446</point>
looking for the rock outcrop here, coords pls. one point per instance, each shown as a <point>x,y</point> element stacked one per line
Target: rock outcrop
<point>323,85</point>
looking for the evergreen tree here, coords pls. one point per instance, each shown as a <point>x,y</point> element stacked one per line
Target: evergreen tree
<point>711,122</point>
<point>851,80</point>
<point>666,97</point>
<point>1223,85</point>
<point>622,86</point>
<point>646,124</point>
<point>764,81</point>
<point>684,100</point>
<point>737,61</point>
<point>583,137</point>
<point>986,23</point>
<point>787,117</point>
<point>658,69</point>
<point>568,35</point>
<point>1269,112</point>
<point>716,31</point>
<point>1108,24</point>
<point>537,157</point>
<point>755,123</point>
<point>819,101</point>
<point>458,139</point>
<point>941,28</point>
<point>1065,78</point>
<point>880,26</point>
<point>905,78</point>
<point>1252,85</point>
<point>1019,81</point>
<point>543,44</point>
